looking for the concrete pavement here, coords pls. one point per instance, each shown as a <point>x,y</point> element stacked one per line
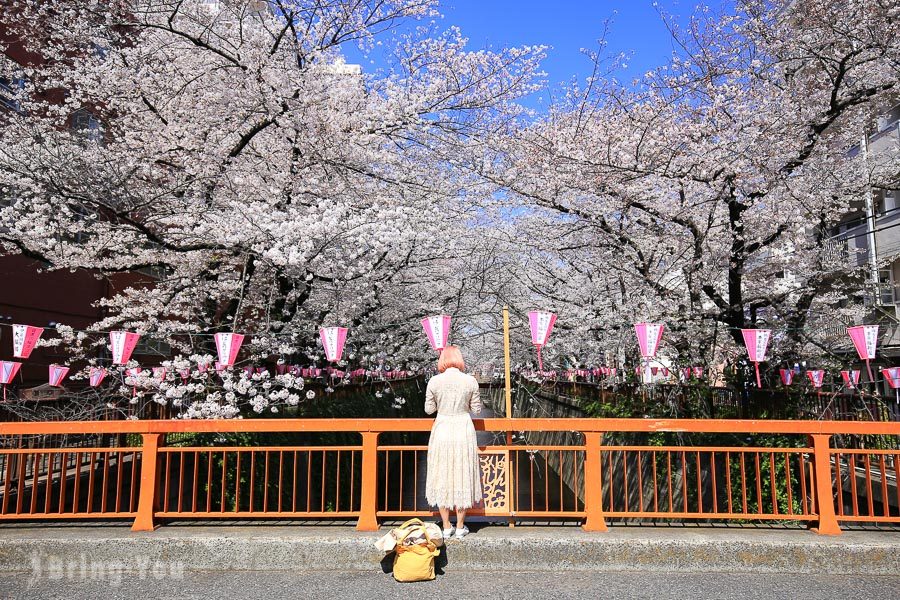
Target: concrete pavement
<point>460,584</point>
<point>490,548</point>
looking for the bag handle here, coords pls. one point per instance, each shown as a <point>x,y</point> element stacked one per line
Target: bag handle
<point>408,530</point>
<point>413,521</point>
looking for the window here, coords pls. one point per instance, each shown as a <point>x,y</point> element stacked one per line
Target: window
<point>84,121</point>
<point>9,91</point>
<point>885,292</point>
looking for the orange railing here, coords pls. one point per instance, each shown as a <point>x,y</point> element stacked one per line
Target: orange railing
<point>53,470</point>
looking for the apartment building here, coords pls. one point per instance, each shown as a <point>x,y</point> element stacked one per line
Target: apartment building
<point>869,235</point>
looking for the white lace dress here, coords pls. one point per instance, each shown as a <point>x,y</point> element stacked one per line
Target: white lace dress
<point>453,479</point>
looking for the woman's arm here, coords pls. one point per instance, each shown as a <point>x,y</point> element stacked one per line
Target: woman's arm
<point>475,398</point>
<point>430,400</point>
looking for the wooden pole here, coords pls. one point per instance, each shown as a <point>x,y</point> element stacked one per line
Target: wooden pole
<point>511,488</point>
<point>506,361</point>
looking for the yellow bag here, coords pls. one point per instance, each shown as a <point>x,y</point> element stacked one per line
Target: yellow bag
<point>416,562</point>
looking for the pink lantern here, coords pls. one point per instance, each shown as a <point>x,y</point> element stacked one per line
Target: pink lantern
<point>756,341</point>
<point>219,367</point>
<point>787,376</point>
<point>892,375</point>
<point>686,371</point>
<point>8,370</point>
<point>248,370</point>
<point>134,372</point>
<point>816,377</point>
<point>654,371</point>
<point>851,378</point>
<point>665,372</point>
<point>333,339</point>
<point>159,373</point>
<point>122,344</point>
<point>24,339</point>
<point>97,375</point>
<point>203,367</point>
<point>865,339</point>
<point>698,372</point>
<point>541,324</point>
<point>612,372</point>
<point>57,374</point>
<point>185,375</point>
<point>227,347</point>
<point>437,328</point>
<point>649,335</point>
<point>281,368</point>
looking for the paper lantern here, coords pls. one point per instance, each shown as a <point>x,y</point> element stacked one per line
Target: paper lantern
<point>649,335</point>
<point>665,372</point>
<point>612,372</point>
<point>698,372</point>
<point>892,376</point>
<point>159,373</point>
<point>8,370</point>
<point>57,374</point>
<point>654,371</point>
<point>133,372</point>
<point>437,328</point>
<point>787,376</point>
<point>686,372</point>
<point>851,378</point>
<point>97,375</point>
<point>227,347</point>
<point>541,324</point>
<point>185,375</point>
<point>122,344</point>
<point>756,341</point>
<point>816,377</point>
<point>333,339</point>
<point>865,339</point>
<point>203,367</point>
<point>24,339</point>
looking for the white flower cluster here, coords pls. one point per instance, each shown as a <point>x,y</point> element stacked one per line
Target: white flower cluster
<point>198,392</point>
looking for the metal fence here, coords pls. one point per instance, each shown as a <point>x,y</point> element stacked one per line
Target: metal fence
<point>804,478</point>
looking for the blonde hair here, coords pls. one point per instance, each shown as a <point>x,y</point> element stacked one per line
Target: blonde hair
<point>451,357</point>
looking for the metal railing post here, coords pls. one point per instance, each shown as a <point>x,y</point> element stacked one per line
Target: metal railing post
<point>143,521</point>
<point>828,524</point>
<point>593,480</point>
<point>367,503</point>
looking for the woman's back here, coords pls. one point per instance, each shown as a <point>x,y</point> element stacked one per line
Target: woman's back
<point>452,393</point>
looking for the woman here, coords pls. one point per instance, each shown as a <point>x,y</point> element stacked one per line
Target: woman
<point>453,479</point>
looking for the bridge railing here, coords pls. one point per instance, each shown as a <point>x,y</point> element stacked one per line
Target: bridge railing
<point>803,476</point>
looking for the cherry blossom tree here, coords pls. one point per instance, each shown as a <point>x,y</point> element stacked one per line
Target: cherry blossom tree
<point>703,194</point>
<point>268,186</point>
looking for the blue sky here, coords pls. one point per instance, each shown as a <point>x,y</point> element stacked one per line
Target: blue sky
<point>568,26</point>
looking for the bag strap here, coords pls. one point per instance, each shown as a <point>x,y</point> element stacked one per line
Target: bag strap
<point>413,521</point>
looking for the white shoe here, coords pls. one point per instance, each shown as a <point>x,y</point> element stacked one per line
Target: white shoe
<point>448,533</point>
<point>461,533</point>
